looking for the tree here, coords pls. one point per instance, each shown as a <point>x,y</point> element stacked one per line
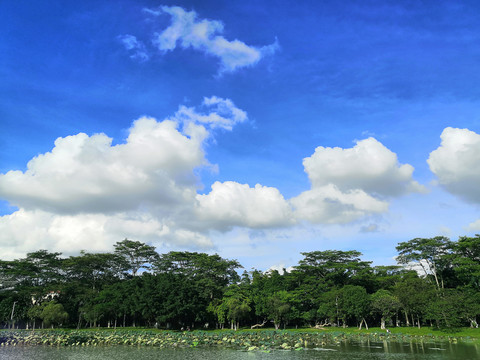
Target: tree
<point>333,267</point>
<point>39,268</point>
<point>414,294</point>
<point>386,305</point>
<point>355,303</point>
<point>237,304</point>
<point>220,309</point>
<point>320,272</point>
<point>328,309</point>
<point>279,307</point>
<point>430,254</point>
<point>467,260</point>
<point>54,314</point>
<point>35,313</point>
<point>93,270</point>
<point>136,254</point>
<point>470,305</point>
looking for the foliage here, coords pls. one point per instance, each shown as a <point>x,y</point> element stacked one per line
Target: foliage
<point>436,284</point>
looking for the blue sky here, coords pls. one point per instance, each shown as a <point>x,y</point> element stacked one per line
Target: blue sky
<point>255,129</point>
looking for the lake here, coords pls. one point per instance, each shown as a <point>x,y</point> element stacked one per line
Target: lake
<point>367,350</point>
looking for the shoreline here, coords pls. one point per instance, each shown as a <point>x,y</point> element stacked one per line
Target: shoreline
<point>258,339</point>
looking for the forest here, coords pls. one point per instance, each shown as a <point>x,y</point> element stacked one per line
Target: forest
<point>436,283</point>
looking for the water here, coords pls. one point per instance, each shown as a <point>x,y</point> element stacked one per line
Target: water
<point>345,350</point>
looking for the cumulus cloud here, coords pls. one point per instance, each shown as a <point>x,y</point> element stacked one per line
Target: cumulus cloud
<point>349,184</point>
<point>154,166</point>
<point>368,166</point>
<point>188,31</point>
<point>87,174</point>
<point>87,192</point>
<point>233,204</point>
<point>328,204</point>
<point>25,231</point>
<point>136,48</point>
<point>456,163</point>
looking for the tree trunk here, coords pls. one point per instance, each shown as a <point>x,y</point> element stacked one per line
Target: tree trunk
<point>382,323</point>
<point>406,319</point>
<point>361,323</point>
<point>418,322</point>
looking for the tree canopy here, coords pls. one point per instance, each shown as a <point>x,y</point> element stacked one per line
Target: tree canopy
<point>437,282</point>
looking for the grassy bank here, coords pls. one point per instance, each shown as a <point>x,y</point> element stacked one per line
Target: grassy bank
<point>264,339</point>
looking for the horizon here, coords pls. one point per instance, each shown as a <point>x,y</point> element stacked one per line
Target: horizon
<point>254,130</point>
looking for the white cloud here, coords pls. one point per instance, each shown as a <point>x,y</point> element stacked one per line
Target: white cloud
<point>368,166</point>
<point>349,184</point>
<point>456,163</point>
<point>204,35</point>
<point>232,204</point>
<point>135,47</point>
<point>25,231</point>
<point>474,226</point>
<point>87,174</point>
<point>281,268</point>
<point>88,193</point>
<point>224,114</point>
<point>329,205</point>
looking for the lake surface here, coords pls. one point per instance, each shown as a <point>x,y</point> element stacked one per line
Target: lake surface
<point>345,350</point>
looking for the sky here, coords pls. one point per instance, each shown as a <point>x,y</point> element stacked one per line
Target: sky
<point>257,130</point>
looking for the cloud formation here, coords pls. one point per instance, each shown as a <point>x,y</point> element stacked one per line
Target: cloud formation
<point>223,114</point>
<point>136,48</point>
<point>188,31</point>
<point>349,184</point>
<point>368,166</point>
<point>86,174</point>
<point>29,230</point>
<point>456,163</point>
<point>87,193</point>
<point>233,204</point>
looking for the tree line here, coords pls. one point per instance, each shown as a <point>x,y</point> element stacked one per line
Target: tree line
<point>436,283</point>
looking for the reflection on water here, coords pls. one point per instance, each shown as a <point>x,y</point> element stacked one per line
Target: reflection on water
<point>368,350</point>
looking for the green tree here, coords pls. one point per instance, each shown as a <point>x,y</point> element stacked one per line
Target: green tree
<point>414,294</point>
<point>333,267</point>
<point>386,305</point>
<point>467,261</point>
<point>136,255</point>
<point>431,255</point>
<point>238,306</point>
<point>54,314</point>
<point>35,313</point>
<point>355,303</point>
<point>279,306</point>
<point>93,270</point>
